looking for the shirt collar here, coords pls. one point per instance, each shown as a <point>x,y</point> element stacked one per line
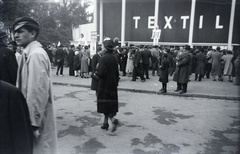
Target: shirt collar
<point>27,50</point>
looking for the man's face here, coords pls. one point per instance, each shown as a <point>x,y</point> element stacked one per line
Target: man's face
<point>23,37</point>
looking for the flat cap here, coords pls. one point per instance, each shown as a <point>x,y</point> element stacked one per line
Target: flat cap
<point>25,21</point>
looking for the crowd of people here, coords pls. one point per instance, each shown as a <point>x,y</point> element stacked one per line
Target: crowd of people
<point>26,96</point>
<point>137,61</point>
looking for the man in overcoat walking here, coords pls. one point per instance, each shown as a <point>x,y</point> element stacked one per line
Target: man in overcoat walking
<point>34,81</point>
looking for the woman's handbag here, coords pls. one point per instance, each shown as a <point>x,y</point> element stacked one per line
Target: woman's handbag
<point>95,77</point>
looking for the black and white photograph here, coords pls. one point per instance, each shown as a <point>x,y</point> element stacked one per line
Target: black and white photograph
<point>119,77</point>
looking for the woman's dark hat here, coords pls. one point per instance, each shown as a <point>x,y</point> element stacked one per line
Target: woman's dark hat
<point>25,21</point>
<point>187,47</point>
<point>3,34</point>
<point>108,44</point>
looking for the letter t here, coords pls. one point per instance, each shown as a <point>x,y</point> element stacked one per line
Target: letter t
<point>136,18</point>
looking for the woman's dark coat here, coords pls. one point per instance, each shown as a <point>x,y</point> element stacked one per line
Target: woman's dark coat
<point>95,60</point>
<point>60,54</point>
<point>71,62</point>
<point>8,65</point>
<point>16,136</point>
<point>76,63</point>
<point>201,61</point>
<point>193,63</point>
<point>146,55</point>
<point>181,74</point>
<point>107,96</point>
<point>164,71</point>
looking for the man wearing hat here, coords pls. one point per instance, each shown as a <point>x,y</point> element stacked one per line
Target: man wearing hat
<point>8,62</point>
<point>60,54</point>
<point>34,80</point>
<point>181,75</point>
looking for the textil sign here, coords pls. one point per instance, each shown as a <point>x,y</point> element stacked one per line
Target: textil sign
<point>211,20</point>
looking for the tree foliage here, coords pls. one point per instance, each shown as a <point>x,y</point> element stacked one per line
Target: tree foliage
<point>56,19</point>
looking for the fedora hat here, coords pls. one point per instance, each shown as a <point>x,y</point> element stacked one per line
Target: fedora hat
<point>3,34</point>
<point>108,44</point>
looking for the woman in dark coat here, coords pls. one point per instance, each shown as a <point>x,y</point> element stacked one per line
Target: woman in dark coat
<point>95,62</point>
<point>164,73</point>
<point>201,60</point>
<point>8,61</point>
<point>71,60</point>
<point>181,75</point>
<point>107,96</point>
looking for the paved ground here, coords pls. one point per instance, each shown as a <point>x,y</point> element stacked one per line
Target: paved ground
<point>205,122</point>
<point>204,89</point>
<point>149,124</point>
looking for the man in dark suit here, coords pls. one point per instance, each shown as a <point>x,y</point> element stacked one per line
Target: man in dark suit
<point>16,134</point>
<point>137,63</point>
<point>71,60</point>
<point>8,62</point>
<point>123,60</point>
<point>60,54</point>
<point>146,55</point>
<point>181,75</point>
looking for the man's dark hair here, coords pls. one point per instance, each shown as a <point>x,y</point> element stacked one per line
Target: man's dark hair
<point>31,29</point>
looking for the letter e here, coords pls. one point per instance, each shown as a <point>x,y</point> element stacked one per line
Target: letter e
<point>151,20</point>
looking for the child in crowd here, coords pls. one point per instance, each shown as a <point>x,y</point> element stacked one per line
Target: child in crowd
<point>164,73</point>
<point>76,63</point>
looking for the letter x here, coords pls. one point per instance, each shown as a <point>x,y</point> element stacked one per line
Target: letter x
<point>168,20</point>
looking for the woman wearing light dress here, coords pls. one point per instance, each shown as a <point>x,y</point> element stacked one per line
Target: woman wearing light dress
<point>129,66</point>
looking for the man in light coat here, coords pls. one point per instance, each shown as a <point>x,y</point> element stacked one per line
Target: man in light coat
<point>217,65</point>
<point>34,80</point>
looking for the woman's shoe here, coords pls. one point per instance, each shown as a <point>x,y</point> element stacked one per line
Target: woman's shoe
<point>115,125</point>
<point>105,126</point>
<point>182,92</point>
<point>163,92</point>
